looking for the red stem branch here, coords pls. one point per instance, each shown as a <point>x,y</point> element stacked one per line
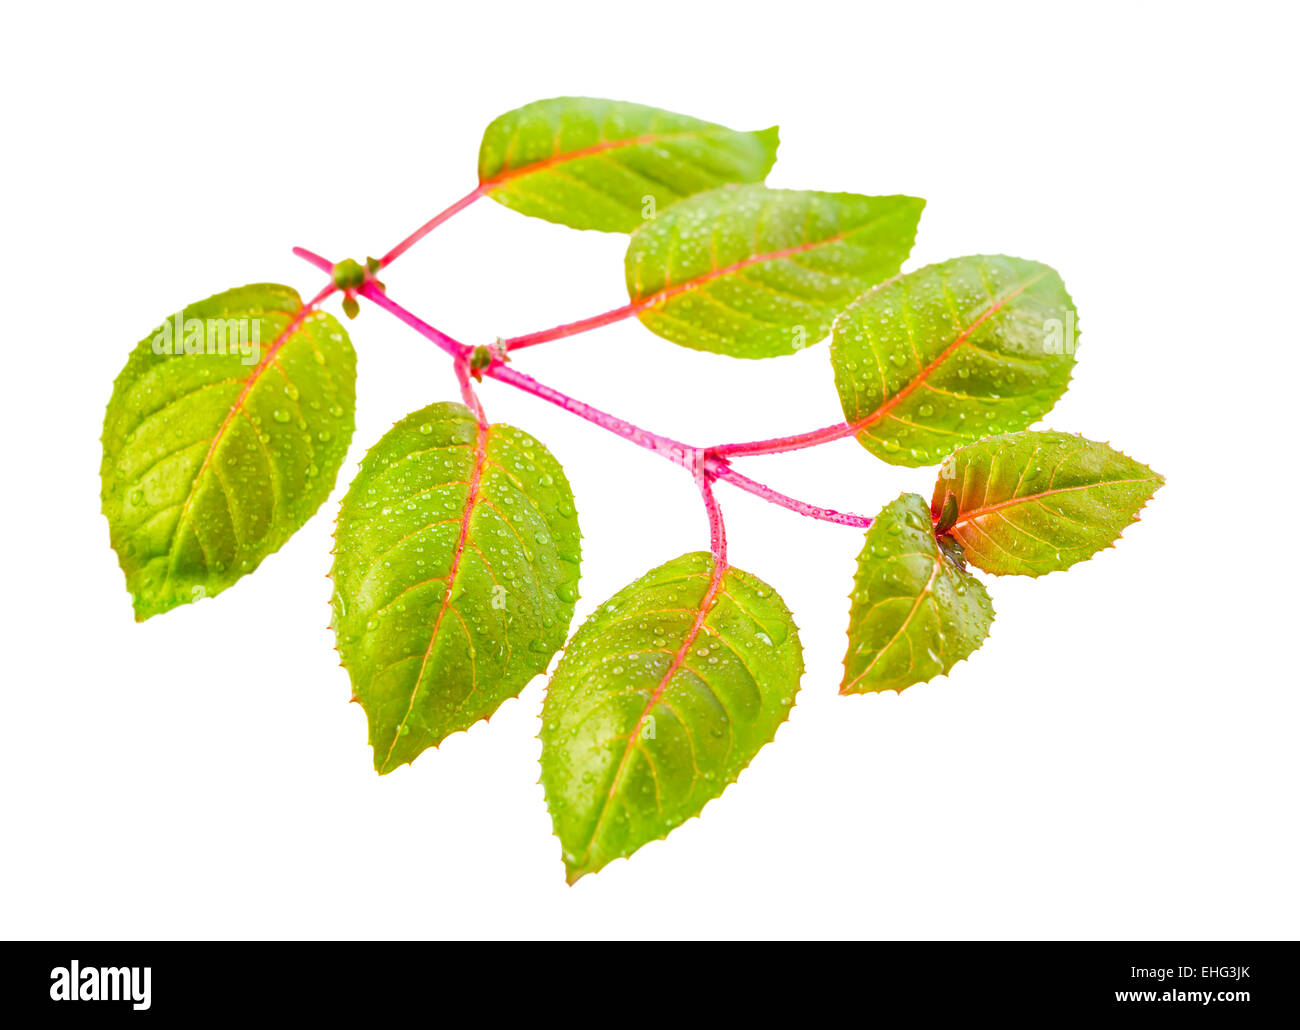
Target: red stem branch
<point>674,450</point>
<point>432,224</point>
<point>786,443</point>
<point>468,394</point>
<point>455,348</point>
<point>311,257</point>
<point>705,464</point>
<point>773,446</point>
<point>572,328</point>
<point>719,469</point>
<point>717,530</point>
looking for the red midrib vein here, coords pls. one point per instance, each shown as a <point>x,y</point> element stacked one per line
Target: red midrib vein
<point>715,584</point>
<point>661,295</point>
<point>471,499</point>
<point>929,585</point>
<point>843,429</point>
<point>651,300</point>
<point>507,174</point>
<point>944,355</point>
<point>235,408</point>
<point>976,513</point>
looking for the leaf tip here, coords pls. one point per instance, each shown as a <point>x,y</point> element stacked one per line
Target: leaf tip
<point>572,874</point>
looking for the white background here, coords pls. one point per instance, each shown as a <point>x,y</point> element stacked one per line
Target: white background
<point>1119,760</point>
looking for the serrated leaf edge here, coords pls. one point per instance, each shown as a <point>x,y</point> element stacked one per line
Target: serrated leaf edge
<point>845,690</point>
<point>141,609</point>
<point>1155,477</point>
<point>706,605</point>
<point>890,403</point>
<point>466,514</point>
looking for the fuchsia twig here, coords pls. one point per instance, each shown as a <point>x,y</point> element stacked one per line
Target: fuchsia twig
<point>467,393</point>
<point>315,302</point>
<point>455,348</point>
<point>432,224</point>
<point>371,291</point>
<point>717,530</point>
<point>674,450</point>
<point>706,464</point>
<point>786,443</point>
<point>572,328</point>
<point>721,470</point>
<point>311,257</point>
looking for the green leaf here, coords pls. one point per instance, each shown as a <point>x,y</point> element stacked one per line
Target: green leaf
<point>662,697</point>
<point>610,165</point>
<point>455,573</point>
<point>213,458</point>
<point>952,353</point>
<point>755,273</point>
<point>1033,503</point>
<point>915,611</point>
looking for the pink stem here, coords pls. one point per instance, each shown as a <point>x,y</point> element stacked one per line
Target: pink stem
<point>467,393</point>
<point>717,531</point>
<point>453,347</point>
<point>674,450</point>
<point>311,257</point>
<point>315,302</point>
<point>432,224</point>
<point>705,464</point>
<point>371,291</point>
<point>786,443</point>
<point>596,321</point>
<point>721,470</point>
<point>689,457</point>
<point>572,328</point>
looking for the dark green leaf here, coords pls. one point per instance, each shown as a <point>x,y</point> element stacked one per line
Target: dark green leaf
<point>225,432</point>
<point>951,353</point>
<point>1032,503</point>
<point>754,273</point>
<point>610,165</point>
<point>455,573</point>
<point>915,612</point>
<point>663,696</point>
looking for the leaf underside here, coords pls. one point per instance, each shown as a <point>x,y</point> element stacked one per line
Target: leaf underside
<point>914,612</point>
<point>455,574</point>
<point>952,353</point>
<point>662,697</point>
<point>609,165</point>
<point>1031,503</point>
<point>213,459</point>
<point>755,273</point>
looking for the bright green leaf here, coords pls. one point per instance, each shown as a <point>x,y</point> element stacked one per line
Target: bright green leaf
<point>610,165</point>
<point>663,696</point>
<point>951,353</point>
<point>1032,503</point>
<point>455,573</point>
<point>754,273</point>
<point>225,432</point>
<point>915,611</point>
